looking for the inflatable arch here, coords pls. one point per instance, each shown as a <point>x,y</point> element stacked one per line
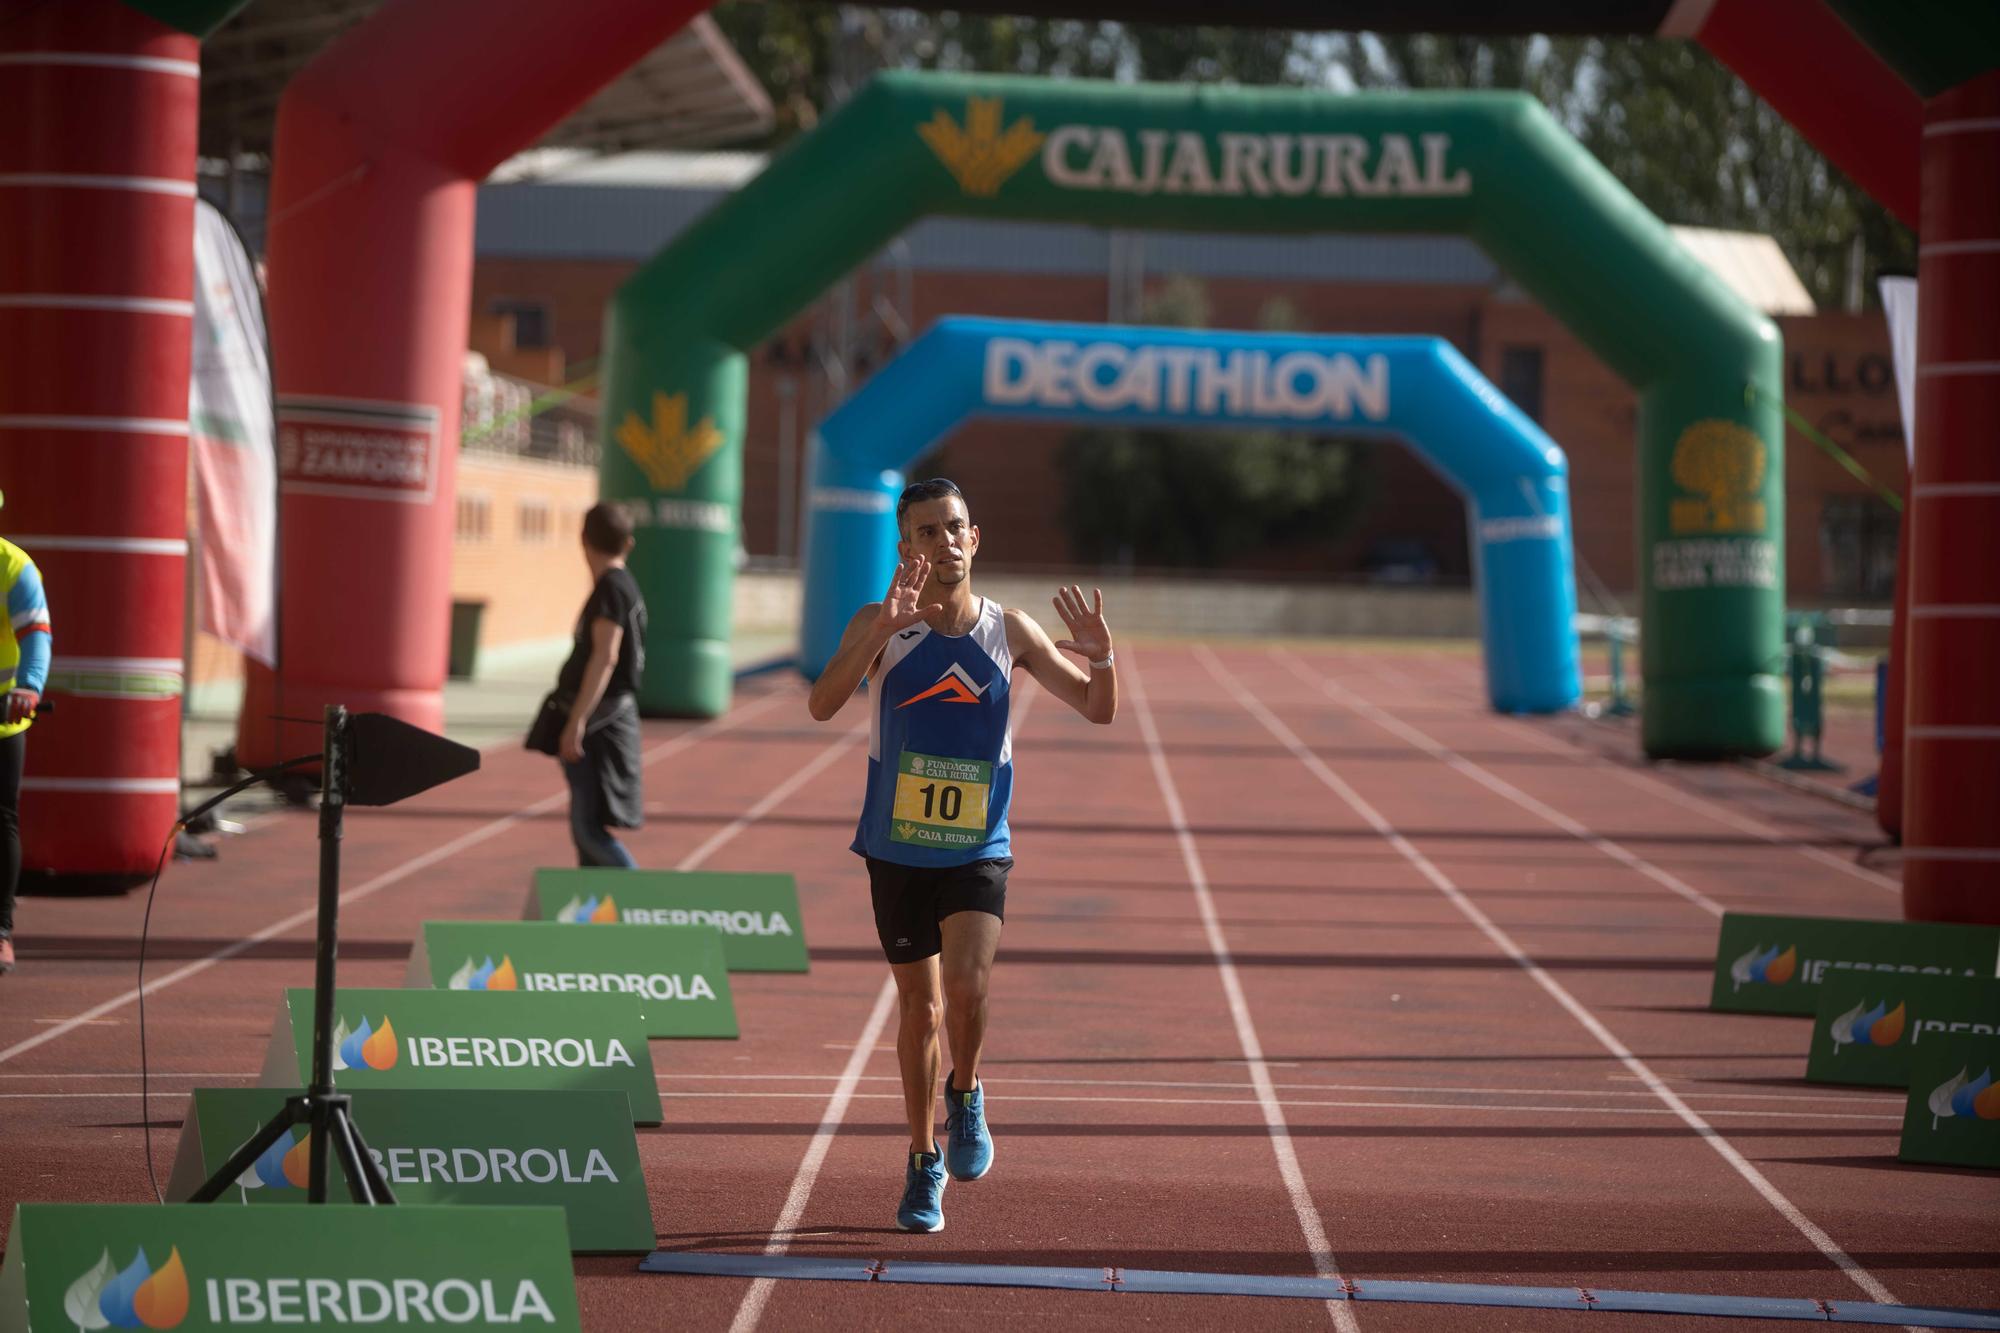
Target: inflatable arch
<point>1420,390</point>
<point>1492,166</point>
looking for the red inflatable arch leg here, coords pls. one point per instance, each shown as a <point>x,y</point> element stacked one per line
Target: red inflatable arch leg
<point>96,299</point>
<point>381,143</point>
<point>1951,735</point>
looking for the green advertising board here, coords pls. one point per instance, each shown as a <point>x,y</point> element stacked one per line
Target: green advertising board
<point>673,977</point>
<point>1777,964</point>
<point>575,1150</point>
<point>1871,1029</point>
<point>194,1266</point>
<point>758,914</point>
<point>1953,1117</point>
<point>452,1039</point>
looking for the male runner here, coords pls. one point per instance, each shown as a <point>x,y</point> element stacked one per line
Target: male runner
<point>934,821</point>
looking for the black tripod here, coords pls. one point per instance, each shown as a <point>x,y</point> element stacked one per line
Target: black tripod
<point>368,759</point>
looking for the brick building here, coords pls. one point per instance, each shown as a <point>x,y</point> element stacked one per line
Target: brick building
<point>552,250</point>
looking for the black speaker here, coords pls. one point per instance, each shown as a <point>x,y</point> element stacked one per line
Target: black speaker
<point>388,760</point>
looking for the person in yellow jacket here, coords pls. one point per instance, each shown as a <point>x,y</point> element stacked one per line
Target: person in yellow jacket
<point>24,670</point>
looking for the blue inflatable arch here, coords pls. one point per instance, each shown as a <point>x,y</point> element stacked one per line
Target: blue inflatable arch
<point>1420,390</point>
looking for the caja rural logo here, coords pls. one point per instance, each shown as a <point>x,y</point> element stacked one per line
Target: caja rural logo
<point>135,1296</point>
<point>1764,966</point>
<point>364,1047</point>
<point>485,976</point>
<point>669,451</point>
<point>1863,1026</point>
<point>1959,1096</point>
<point>580,910</point>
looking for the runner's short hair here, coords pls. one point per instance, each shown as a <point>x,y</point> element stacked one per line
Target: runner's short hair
<point>919,491</point>
<point>607,529</point>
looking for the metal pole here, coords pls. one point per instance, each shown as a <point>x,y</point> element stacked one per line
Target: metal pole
<point>332,804</point>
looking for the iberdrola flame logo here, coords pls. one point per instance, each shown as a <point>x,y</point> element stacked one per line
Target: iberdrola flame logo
<point>283,1165</point>
<point>1960,1096</point>
<point>364,1047</point>
<point>485,976</point>
<point>136,1297</point>
<point>578,910</point>
<point>1861,1026</point>
<point>1768,966</point>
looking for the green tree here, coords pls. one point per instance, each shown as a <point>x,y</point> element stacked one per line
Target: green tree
<point>1684,134</point>
<point>1203,499</point>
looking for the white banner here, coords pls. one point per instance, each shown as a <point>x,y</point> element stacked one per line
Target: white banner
<point>1899,305</point>
<point>234,451</point>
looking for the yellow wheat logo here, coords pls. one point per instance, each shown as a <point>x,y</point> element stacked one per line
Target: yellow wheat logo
<point>1723,463</point>
<point>668,451</point>
<point>906,830</point>
<point>981,156</point>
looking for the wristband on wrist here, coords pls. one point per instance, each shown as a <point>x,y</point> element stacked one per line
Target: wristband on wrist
<point>1104,663</point>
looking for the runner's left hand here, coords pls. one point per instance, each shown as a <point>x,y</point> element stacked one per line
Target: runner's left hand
<point>571,745</point>
<point>1089,637</point>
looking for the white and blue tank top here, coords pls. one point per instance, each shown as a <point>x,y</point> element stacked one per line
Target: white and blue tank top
<point>940,758</point>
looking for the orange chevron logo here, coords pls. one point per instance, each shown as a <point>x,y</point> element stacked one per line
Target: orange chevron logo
<point>953,687</point>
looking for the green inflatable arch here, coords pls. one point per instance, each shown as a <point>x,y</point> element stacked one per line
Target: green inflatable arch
<point>1494,167</point>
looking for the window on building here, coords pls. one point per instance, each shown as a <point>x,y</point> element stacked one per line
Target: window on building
<point>1857,543</point>
<point>531,321</point>
<point>1521,379</point>
<point>475,517</point>
<point>535,521</point>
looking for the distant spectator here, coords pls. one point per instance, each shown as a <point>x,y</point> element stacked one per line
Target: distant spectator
<point>24,671</point>
<point>599,746</point>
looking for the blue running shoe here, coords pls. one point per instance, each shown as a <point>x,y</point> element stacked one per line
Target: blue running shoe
<point>923,1194</point>
<point>968,1148</point>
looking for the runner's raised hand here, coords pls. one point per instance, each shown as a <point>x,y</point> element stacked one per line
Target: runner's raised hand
<point>1089,637</point>
<point>900,607</point>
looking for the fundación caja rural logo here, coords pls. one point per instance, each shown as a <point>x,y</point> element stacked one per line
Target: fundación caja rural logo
<point>138,1296</point>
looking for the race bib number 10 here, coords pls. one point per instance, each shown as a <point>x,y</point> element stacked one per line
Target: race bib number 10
<point>940,802</point>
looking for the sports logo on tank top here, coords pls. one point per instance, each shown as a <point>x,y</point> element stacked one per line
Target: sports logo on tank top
<point>954,686</point>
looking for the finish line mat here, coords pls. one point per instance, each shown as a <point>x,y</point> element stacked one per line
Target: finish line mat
<point>1585,1299</point>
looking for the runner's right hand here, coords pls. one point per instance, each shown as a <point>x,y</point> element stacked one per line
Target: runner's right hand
<point>900,608</point>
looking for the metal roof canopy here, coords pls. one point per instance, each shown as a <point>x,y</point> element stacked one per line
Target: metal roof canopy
<point>691,91</point>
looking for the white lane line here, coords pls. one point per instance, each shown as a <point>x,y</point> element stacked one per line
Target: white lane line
<point>1819,1239</point>
<point>736,1094</point>
<point>755,1299</point>
<point>777,796</point>
<point>1492,782</point>
<point>1310,1224</point>
<point>1830,1094</point>
<point>390,877</point>
<point>1846,1096</point>
<point>816,1153</point>
<point>804,1178</point>
<point>1722,814</point>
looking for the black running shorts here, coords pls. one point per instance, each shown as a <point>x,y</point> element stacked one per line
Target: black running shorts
<point>911,900</point>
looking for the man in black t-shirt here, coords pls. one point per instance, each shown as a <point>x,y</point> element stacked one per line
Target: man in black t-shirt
<point>599,746</point>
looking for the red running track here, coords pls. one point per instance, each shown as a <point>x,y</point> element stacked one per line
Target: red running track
<point>1471,952</point>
